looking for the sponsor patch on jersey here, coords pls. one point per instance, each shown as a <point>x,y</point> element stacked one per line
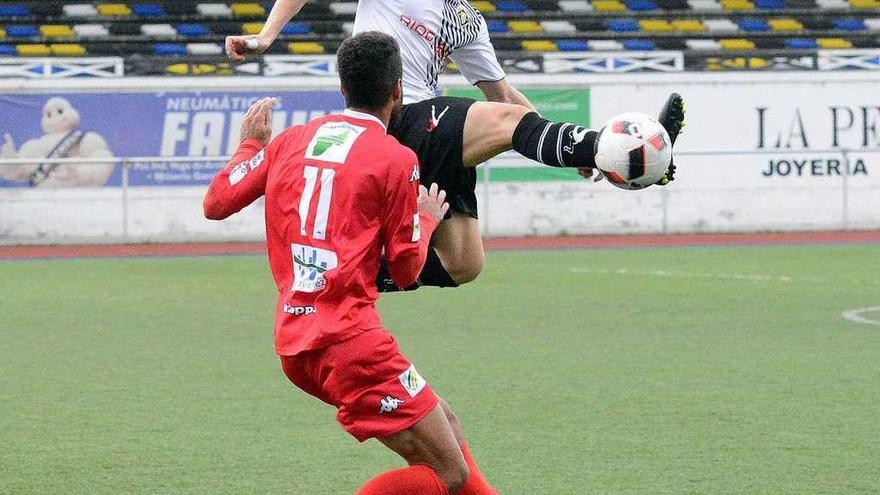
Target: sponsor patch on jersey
<point>333,141</point>
<point>464,16</point>
<point>258,159</point>
<point>238,172</point>
<point>412,381</point>
<point>309,266</point>
<point>417,228</point>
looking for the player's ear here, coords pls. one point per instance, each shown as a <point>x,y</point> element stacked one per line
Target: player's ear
<point>397,91</point>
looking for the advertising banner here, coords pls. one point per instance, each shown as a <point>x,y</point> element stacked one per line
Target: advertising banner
<point>129,124</point>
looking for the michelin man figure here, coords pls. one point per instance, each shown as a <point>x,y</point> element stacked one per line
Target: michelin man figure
<point>62,138</point>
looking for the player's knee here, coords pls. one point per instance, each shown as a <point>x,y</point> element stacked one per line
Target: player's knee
<point>463,271</point>
<point>454,475</point>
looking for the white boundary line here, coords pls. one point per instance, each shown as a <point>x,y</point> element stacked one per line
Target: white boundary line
<point>854,315</point>
<point>667,273</point>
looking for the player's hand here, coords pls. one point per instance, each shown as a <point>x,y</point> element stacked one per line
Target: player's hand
<point>257,123</point>
<point>238,47</point>
<point>433,202</point>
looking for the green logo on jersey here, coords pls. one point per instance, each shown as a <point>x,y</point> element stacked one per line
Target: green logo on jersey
<point>324,143</point>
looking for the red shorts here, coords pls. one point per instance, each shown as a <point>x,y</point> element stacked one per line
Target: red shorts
<point>377,392</point>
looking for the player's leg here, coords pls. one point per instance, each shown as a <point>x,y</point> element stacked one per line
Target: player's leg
<point>459,247</point>
<point>476,483</point>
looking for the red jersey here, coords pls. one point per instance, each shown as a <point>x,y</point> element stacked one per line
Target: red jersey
<point>339,191</point>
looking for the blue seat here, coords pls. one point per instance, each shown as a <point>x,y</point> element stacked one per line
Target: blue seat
<point>801,44</point>
<point>511,6</point>
<point>192,30</point>
<point>572,45</point>
<point>169,49</point>
<point>14,11</point>
<point>147,10</point>
<point>641,5</point>
<point>7,50</point>
<point>769,4</point>
<point>753,25</point>
<point>293,28</point>
<point>496,26</point>
<point>622,25</point>
<point>22,31</point>
<point>639,45</point>
<point>849,24</point>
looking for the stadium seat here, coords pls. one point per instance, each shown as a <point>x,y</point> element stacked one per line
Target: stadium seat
<point>56,31</point>
<point>67,49</point>
<point>605,45</point>
<point>22,31</point>
<point>641,5</point>
<point>655,26</point>
<point>736,44</point>
<point>147,10</point>
<point>753,25</point>
<point>483,6</point>
<point>575,6</point>
<point>737,5</point>
<point>865,4</point>
<point>214,10</point>
<point>80,10</point>
<point>639,45</point>
<point>524,26</point>
<point>169,49</point>
<point>711,45</point>
<point>510,6</point>
<point>539,46</point>
<point>305,48</point>
<point>345,8</point>
<point>192,30</point>
<point>769,4</point>
<point>33,50</point>
<point>834,43</point>
<point>572,45</point>
<point>2,33</point>
<point>248,10</point>
<point>785,25</point>
<point>720,25</point>
<point>204,49</point>
<point>558,27</point>
<point>801,44</point>
<point>114,10</point>
<point>158,30</point>
<point>91,30</point>
<point>833,4</point>
<point>608,6</point>
<point>8,50</point>
<point>872,24</point>
<point>622,25</point>
<point>711,5</point>
<point>251,27</point>
<point>688,25</point>
<point>849,24</point>
<point>295,28</point>
<point>496,26</point>
<point>14,11</point>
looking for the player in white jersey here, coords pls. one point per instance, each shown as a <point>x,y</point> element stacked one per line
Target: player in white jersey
<point>450,135</point>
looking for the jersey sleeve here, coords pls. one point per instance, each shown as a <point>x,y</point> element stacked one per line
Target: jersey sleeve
<point>477,61</point>
<point>406,232</point>
<point>241,181</point>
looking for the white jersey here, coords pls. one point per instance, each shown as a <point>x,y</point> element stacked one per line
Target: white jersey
<point>429,32</point>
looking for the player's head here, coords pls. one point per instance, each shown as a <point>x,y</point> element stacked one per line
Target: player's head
<point>370,71</point>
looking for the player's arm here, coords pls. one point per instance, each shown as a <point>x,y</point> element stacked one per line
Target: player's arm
<point>243,179</point>
<point>237,47</point>
<point>409,222</point>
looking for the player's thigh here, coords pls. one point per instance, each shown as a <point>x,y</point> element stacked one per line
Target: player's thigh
<point>488,130</point>
<point>431,442</point>
<point>459,246</point>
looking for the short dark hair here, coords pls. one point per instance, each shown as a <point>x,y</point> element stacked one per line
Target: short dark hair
<point>369,67</point>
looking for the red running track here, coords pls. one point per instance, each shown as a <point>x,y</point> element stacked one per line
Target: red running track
<point>600,241</point>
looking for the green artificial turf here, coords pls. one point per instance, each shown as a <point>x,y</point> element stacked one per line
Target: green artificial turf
<point>630,371</point>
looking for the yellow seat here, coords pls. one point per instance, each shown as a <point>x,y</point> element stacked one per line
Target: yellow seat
<point>248,10</point>
<point>483,6</point>
<point>609,6</point>
<point>56,31</point>
<point>737,44</point>
<point>737,5</point>
<point>252,27</point>
<point>655,25</point>
<point>32,50</point>
<point>688,25</point>
<point>2,32</point>
<point>524,26</point>
<point>865,4</point>
<point>785,25</point>
<point>834,43</point>
<point>305,48</point>
<point>67,49</point>
<point>539,46</point>
<point>114,9</point>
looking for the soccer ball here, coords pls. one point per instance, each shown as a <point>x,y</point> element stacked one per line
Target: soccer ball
<point>633,150</point>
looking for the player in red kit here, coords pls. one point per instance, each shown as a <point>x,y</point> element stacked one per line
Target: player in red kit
<point>340,192</point>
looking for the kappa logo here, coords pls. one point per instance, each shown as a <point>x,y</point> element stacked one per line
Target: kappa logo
<point>435,119</point>
<point>415,175</point>
<point>299,310</point>
<point>389,404</point>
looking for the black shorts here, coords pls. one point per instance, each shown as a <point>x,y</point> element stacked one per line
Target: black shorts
<point>434,129</point>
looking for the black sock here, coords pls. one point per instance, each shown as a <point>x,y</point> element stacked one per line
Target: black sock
<point>558,144</point>
<point>433,274</point>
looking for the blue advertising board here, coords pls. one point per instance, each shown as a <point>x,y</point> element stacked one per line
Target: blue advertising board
<point>114,124</point>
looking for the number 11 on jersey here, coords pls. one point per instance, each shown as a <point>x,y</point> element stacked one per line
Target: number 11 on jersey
<point>322,214</point>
